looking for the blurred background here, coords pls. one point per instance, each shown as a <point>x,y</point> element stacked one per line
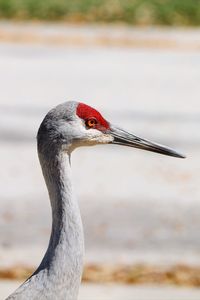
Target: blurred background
<point>138,62</point>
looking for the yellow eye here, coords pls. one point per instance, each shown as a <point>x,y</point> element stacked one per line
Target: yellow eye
<point>91,123</point>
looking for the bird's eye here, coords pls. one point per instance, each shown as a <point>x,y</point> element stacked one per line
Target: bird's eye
<point>91,123</point>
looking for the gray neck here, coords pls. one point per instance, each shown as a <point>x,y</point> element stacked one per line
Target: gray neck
<point>59,274</point>
<point>64,257</point>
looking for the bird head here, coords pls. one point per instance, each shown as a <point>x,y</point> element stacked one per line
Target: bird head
<point>73,124</point>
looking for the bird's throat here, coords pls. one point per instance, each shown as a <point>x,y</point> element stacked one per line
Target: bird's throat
<point>64,257</point>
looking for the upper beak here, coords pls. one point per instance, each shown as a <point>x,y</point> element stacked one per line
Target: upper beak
<point>121,137</point>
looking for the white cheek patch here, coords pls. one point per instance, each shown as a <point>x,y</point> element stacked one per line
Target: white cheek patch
<point>104,139</point>
<point>95,137</point>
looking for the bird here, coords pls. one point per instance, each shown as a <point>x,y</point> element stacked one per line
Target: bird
<point>66,127</point>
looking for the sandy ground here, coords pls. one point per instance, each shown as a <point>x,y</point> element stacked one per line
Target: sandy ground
<point>118,292</point>
<point>181,39</point>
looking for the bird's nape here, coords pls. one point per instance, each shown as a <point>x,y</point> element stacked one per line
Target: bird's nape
<point>124,138</point>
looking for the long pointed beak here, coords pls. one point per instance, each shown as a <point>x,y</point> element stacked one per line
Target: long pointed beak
<point>121,137</point>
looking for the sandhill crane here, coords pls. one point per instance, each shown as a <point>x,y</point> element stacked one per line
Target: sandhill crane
<point>66,127</point>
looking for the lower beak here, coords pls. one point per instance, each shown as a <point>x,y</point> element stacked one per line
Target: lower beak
<point>121,137</point>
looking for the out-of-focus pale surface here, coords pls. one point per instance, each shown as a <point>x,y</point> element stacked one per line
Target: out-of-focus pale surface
<point>118,292</point>
<point>136,206</point>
